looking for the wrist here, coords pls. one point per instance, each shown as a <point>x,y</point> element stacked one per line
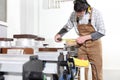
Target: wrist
<point>88,37</point>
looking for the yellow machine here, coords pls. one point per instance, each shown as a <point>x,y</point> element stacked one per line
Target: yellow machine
<point>80,62</point>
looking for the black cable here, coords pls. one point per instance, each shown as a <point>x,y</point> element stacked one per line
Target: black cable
<point>95,69</point>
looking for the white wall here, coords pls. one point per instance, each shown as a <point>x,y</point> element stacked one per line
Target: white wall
<point>50,21</point>
<point>22,17</point>
<point>29,16</point>
<point>13,17</point>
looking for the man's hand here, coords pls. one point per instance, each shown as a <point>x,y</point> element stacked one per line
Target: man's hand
<point>82,39</point>
<point>57,38</point>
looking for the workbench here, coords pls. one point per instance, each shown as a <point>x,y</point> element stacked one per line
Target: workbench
<point>12,64</point>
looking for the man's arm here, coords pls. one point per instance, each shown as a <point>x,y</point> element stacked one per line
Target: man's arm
<point>96,35</point>
<point>62,31</point>
<point>99,24</point>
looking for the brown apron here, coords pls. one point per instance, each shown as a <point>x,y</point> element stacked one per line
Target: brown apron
<point>91,50</point>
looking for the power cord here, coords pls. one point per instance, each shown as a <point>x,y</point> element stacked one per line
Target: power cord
<point>95,70</point>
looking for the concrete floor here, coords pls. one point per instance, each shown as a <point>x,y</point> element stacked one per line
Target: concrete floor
<point>107,75</point>
<point>111,74</point>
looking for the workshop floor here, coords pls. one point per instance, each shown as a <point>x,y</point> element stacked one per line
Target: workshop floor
<point>109,75</point>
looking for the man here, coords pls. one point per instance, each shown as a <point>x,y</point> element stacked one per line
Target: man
<point>89,25</point>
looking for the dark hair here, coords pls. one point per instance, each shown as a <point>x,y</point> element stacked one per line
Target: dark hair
<point>81,5</point>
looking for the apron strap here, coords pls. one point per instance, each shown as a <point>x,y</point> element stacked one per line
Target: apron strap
<point>89,21</point>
